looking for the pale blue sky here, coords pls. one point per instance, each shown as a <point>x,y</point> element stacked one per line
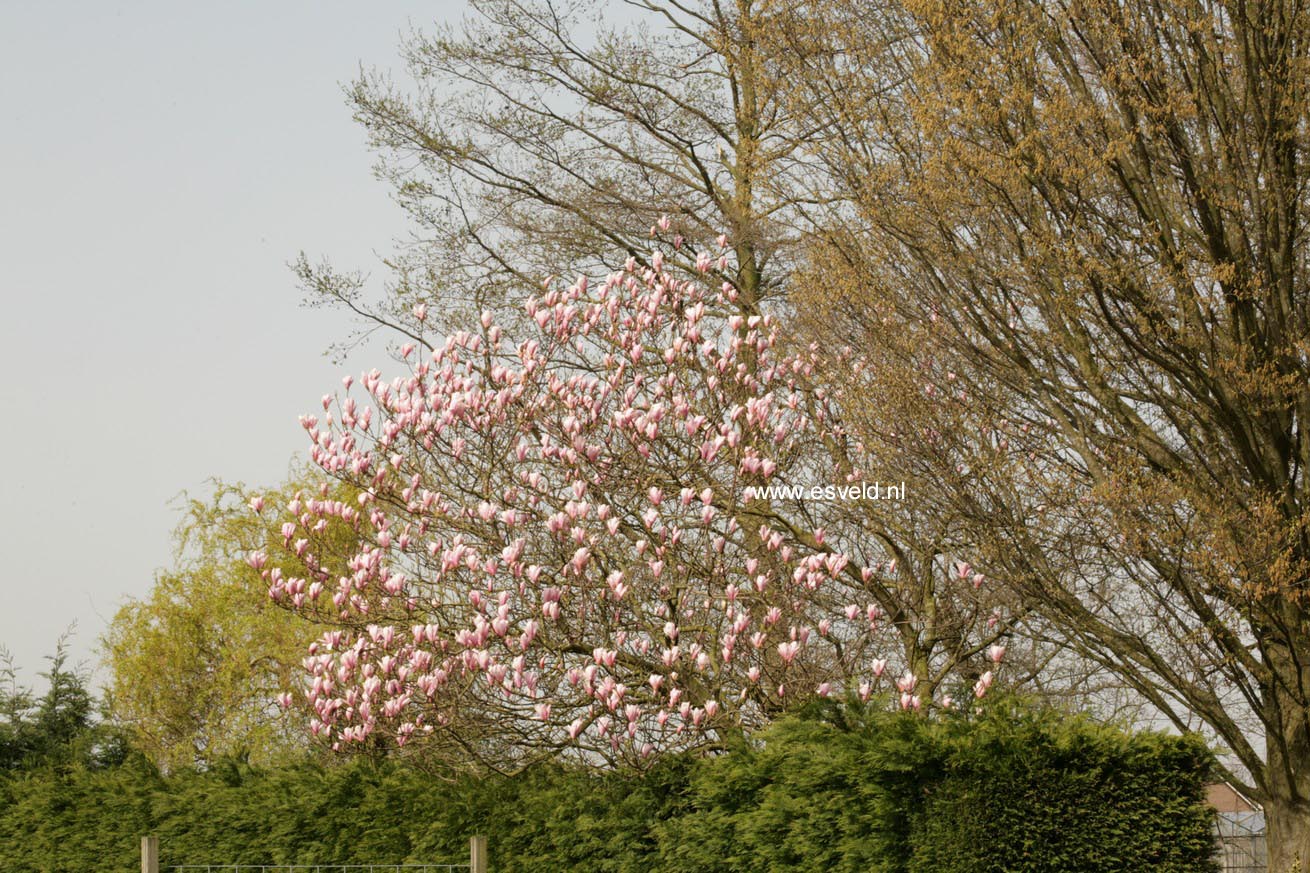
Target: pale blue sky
<point>160,163</point>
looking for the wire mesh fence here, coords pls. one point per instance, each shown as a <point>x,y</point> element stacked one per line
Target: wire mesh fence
<point>320,868</point>
<point>477,863</point>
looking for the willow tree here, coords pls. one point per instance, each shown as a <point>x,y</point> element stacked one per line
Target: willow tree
<point>198,668</point>
<point>1099,207</point>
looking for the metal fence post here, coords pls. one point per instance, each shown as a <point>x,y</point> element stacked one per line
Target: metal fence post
<point>478,854</point>
<point>150,855</point>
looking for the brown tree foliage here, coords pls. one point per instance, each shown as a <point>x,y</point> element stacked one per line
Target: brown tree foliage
<point>1099,207</point>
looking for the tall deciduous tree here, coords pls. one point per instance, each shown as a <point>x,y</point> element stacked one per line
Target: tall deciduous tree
<point>1101,205</point>
<point>537,138</point>
<point>916,406</point>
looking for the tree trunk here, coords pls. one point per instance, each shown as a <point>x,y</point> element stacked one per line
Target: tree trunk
<point>1286,787</point>
<point>1288,823</point>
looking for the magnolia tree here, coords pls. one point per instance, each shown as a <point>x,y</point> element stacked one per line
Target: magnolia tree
<point>565,541</point>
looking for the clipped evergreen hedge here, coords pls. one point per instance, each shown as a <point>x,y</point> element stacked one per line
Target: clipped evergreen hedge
<point>1014,790</point>
<point>1026,792</point>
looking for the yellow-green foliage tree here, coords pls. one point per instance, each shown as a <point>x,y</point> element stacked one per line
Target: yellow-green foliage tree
<point>198,668</point>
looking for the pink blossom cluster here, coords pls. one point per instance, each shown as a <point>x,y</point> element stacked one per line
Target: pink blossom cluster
<point>552,535</point>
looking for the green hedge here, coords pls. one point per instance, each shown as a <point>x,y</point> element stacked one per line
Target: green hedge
<point>1029,793</point>
<point>1014,790</point>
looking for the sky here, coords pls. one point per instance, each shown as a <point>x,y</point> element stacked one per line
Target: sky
<point>160,165</point>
